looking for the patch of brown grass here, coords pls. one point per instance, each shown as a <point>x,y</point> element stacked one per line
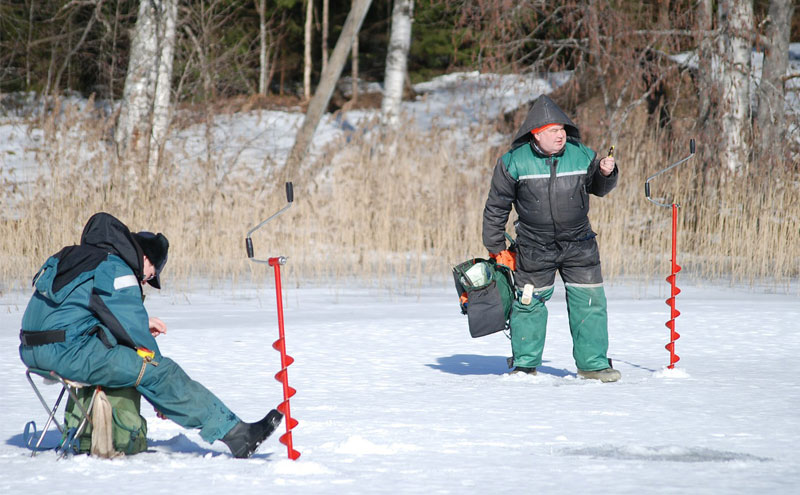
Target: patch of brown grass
<point>398,210</point>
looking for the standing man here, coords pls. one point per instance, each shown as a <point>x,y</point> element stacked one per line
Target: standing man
<point>547,176</point>
<point>86,321</point>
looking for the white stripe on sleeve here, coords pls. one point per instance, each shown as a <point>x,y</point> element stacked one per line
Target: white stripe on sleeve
<point>125,281</point>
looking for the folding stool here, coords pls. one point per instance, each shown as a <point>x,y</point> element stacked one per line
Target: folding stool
<point>69,386</point>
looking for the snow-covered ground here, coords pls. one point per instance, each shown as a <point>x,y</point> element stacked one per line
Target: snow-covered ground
<point>261,139</point>
<point>393,396</point>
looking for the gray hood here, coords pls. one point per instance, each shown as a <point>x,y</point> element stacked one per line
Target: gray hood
<point>545,111</point>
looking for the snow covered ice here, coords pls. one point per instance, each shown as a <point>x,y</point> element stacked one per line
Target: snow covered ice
<point>395,397</point>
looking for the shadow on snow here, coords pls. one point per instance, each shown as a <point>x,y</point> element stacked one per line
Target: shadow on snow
<point>179,444</point>
<point>475,364</point>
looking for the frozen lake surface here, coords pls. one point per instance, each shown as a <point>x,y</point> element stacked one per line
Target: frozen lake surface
<point>395,397</point>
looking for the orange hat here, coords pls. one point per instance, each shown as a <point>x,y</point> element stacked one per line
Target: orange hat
<point>540,129</point>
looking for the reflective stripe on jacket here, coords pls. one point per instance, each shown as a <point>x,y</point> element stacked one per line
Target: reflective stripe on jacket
<point>550,195</point>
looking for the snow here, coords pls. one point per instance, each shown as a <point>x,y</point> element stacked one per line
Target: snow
<point>262,139</point>
<point>393,396</point>
<point>259,140</point>
<point>467,98</point>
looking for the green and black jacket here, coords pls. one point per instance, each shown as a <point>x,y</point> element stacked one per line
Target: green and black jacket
<point>549,193</point>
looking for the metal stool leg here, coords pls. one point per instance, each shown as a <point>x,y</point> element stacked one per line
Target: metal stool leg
<point>66,386</point>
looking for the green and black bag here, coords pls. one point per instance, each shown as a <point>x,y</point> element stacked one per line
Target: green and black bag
<point>129,428</point>
<point>485,291</point>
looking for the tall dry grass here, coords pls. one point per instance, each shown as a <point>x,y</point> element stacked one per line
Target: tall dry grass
<point>740,228</point>
<point>390,211</point>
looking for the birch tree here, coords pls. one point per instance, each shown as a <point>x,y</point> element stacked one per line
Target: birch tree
<point>162,108</point>
<point>397,61</point>
<point>354,70</point>
<point>307,50</point>
<point>263,56</point>
<point>145,110</point>
<point>137,96</point>
<point>770,116</point>
<point>735,22</point>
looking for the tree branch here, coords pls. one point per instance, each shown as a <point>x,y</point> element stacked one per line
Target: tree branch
<point>98,6</point>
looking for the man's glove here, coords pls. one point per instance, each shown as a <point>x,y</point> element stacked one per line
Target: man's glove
<point>505,257</point>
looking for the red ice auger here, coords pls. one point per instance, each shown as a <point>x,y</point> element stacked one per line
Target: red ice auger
<point>280,344</point>
<point>674,290</point>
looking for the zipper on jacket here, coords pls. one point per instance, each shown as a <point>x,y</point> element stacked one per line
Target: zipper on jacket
<point>553,163</point>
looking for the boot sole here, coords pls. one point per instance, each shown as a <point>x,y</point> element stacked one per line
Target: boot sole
<point>603,377</point>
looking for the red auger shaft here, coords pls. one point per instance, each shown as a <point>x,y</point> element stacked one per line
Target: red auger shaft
<point>286,360</point>
<point>674,291</point>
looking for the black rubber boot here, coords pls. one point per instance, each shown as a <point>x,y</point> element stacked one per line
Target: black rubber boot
<point>244,438</point>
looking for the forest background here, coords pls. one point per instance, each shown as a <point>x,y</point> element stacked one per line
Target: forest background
<point>396,203</point>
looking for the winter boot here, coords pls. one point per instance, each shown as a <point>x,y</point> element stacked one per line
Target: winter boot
<point>244,438</point>
<point>521,370</point>
<point>606,375</point>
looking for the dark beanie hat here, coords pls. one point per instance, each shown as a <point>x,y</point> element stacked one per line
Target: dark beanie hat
<point>155,247</point>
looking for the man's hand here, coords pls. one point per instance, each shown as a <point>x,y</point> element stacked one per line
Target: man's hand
<point>157,327</point>
<point>607,165</point>
<point>507,258</point>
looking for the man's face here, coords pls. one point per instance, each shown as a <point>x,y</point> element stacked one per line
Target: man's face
<point>552,139</point>
<point>148,270</point>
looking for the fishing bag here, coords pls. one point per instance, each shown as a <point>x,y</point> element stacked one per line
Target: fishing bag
<point>128,427</point>
<point>485,291</point>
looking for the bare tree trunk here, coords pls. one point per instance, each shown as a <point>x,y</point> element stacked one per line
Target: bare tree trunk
<point>205,66</point>
<point>397,61</point>
<point>162,108</point>
<point>325,16</point>
<point>663,14</point>
<point>112,69</point>
<point>28,47</point>
<point>263,55</point>
<point>325,88</point>
<point>736,25</point>
<point>74,50</point>
<point>275,48</point>
<point>706,57</point>
<point>307,51</point>
<point>133,124</point>
<point>770,117</point>
<point>145,110</point>
<point>354,70</point>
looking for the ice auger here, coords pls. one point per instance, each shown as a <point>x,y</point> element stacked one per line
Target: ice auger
<point>280,344</point>
<point>675,268</point>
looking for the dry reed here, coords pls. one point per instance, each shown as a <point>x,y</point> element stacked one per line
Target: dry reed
<point>390,211</point>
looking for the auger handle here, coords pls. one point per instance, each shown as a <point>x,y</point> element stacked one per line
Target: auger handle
<point>647,182</point>
<point>290,189</point>
<point>248,242</point>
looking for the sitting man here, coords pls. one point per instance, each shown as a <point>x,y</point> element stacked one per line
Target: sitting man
<point>86,321</point>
